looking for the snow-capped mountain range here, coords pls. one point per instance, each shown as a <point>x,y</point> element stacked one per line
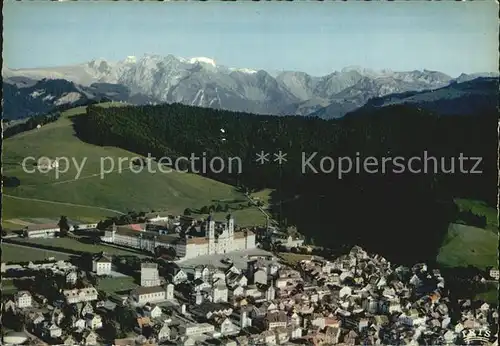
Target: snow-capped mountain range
<point>201,82</point>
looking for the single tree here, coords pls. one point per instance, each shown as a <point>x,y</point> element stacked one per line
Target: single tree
<point>170,252</point>
<point>63,226</point>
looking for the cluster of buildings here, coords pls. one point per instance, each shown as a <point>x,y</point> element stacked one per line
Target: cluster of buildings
<point>153,288</point>
<point>371,301</point>
<point>355,299</point>
<point>215,237</point>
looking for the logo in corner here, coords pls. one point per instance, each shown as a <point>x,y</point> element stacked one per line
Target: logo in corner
<point>476,336</point>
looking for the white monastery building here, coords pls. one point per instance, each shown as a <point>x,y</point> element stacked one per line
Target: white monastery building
<point>220,238</point>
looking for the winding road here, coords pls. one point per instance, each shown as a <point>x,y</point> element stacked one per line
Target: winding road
<point>63,203</point>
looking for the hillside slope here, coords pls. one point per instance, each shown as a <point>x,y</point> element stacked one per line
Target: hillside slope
<point>469,97</point>
<point>121,191</point>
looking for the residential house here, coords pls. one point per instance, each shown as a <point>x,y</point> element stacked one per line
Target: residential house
<point>174,273</point>
<point>186,341</point>
<point>351,338</point>
<point>69,341</point>
<point>495,274</point>
<point>157,217</point>
<point>36,318</point>
<point>163,333</point>
<point>152,311</point>
<point>193,329</point>
<point>269,337</point>
<point>242,340</point>
<point>23,299</point>
<point>294,319</point>
<point>94,321</point>
<point>178,277</point>
<point>101,264</point>
<point>220,293</point>
<point>71,277</point>
<point>238,291</point>
<point>275,319</point>
<point>332,335</point>
<point>57,316</point>
<point>295,332</point>
<point>143,322</point>
<point>169,295</point>
<point>52,330</point>
<point>89,338</point>
<point>79,323</point>
<point>225,326</point>
<point>80,295</point>
<point>260,276</point>
<point>85,309</point>
<point>236,279</point>
<point>9,305</point>
<point>282,335</point>
<point>200,285</point>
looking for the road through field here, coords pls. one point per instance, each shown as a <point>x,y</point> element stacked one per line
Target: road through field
<point>64,203</point>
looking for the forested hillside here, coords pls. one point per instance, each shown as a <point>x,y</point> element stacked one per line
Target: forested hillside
<point>401,215</point>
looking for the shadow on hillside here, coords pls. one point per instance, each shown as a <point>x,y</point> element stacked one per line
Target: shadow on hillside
<point>88,240</point>
<point>406,225</point>
<point>10,181</point>
<point>79,123</point>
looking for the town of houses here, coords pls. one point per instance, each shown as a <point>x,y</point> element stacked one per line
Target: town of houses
<point>354,299</point>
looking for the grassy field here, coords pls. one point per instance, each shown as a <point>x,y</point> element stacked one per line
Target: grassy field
<point>490,296</point>
<point>263,195</point>
<point>75,244</point>
<point>120,190</point>
<point>481,209</point>
<point>111,285</point>
<point>293,258</point>
<point>467,245</point>
<point>15,208</point>
<point>12,253</point>
<point>8,287</point>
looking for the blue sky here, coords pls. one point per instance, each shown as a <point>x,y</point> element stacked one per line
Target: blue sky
<point>315,37</point>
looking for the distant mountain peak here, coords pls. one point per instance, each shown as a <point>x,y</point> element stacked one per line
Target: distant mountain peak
<point>200,81</point>
<point>244,70</point>
<point>203,60</point>
<point>131,59</point>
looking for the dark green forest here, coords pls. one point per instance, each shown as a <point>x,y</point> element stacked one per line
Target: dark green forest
<point>30,124</point>
<point>403,216</point>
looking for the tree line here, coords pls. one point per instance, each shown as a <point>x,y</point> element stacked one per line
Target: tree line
<point>30,124</point>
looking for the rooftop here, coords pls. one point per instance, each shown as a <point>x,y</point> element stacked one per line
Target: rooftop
<point>164,238</point>
<point>149,290</point>
<point>157,214</point>
<point>41,227</point>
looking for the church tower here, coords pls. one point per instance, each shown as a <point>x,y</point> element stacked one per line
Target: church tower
<point>230,227</point>
<point>210,234</point>
<point>113,232</point>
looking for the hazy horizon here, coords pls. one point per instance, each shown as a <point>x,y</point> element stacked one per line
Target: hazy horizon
<point>313,37</point>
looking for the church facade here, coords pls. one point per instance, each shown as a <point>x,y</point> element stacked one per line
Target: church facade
<point>219,240</point>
